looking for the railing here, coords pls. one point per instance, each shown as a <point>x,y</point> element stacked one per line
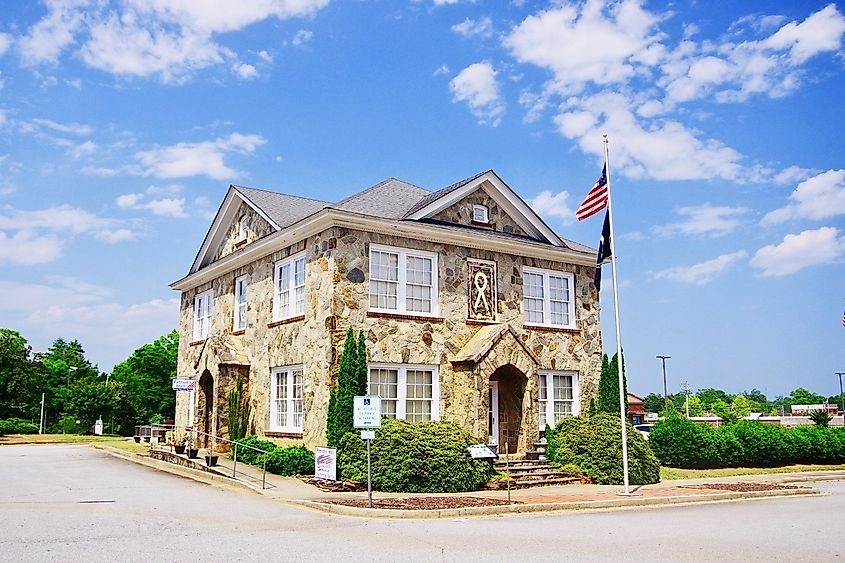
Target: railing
<point>235,445</point>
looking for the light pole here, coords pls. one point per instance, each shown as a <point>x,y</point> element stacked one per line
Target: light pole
<point>840,374</point>
<point>685,389</point>
<point>67,392</point>
<point>665,387</point>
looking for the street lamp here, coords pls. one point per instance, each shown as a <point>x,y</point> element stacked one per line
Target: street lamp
<point>67,391</point>
<point>840,374</point>
<point>665,387</point>
<point>685,389</point>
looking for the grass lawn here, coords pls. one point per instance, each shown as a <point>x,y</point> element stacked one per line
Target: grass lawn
<point>671,473</point>
<point>111,441</point>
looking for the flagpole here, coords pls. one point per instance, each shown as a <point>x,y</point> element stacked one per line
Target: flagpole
<point>622,414</point>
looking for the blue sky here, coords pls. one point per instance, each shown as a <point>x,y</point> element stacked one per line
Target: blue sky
<point>123,122</point>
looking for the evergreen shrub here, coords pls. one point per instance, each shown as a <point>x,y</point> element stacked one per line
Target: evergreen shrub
<point>414,457</point>
<point>17,426</point>
<point>290,460</point>
<point>247,455</point>
<point>594,445</point>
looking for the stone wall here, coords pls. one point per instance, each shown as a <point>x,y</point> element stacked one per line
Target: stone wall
<point>337,296</point>
<point>461,213</point>
<point>258,228</point>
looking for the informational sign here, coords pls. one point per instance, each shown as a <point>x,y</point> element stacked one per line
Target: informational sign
<point>481,451</point>
<point>184,384</point>
<point>326,464</point>
<point>366,411</point>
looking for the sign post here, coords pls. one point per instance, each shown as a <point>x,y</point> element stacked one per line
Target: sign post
<point>367,416</point>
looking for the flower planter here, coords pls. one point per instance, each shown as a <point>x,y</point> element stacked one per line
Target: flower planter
<point>137,439</point>
<point>179,448</point>
<point>211,460</point>
<point>193,453</point>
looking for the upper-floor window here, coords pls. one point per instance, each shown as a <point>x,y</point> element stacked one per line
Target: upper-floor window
<point>239,322</point>
<point>289,288</point>
<point>548,298</point>
<point>402,280</point>
<point>243,228</point>
<point>558,393</point>
<point>407,392</point>
<point>286,399</point>
<point>480,214</point>
<point>202,314</point>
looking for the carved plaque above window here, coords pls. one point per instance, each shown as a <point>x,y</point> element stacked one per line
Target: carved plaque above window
<point>481,289</point>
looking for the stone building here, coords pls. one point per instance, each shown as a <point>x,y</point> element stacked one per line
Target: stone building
<point>474,310</point>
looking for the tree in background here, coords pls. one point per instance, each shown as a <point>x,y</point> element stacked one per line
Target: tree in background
<point>91,398</point>
<point>695,408</point>
<point>64,363</point>
<point>21,377</point>
<point>710,396</point>
<point>609,386</point>
<point>339,419</point>
<point>147,375</point>
<point>741,406</point>
<point>653,402</point>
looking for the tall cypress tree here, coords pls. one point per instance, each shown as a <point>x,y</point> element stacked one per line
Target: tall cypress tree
<point>361,369</point>
<point>609,386</point>
<point>339,419</point>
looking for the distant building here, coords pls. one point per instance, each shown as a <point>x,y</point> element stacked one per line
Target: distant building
<point>636,409</point>
<point>803,409</point>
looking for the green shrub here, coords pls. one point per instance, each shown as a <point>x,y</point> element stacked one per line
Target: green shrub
<point>290,460</point>
<point>247,455</point>
<point>594,444</point>
<point>415,457</point>
<point>680,442</point>
<point>763,445</point>
<point>17,426</point>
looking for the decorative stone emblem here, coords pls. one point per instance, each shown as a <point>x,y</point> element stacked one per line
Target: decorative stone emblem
<point>481,288</point>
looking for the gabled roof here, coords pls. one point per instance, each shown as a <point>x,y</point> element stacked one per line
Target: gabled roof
<point>392,200</point>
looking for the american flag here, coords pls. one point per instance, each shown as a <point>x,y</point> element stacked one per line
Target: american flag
<point>843,319</point>
<point>596,200</point>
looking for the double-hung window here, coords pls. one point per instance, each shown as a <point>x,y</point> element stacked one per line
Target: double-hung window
<point>239,322</point>
<point>407,392</point>
<point>558,392</point>
<point>286,399</point>
<point>403,281</point>
<point>202,314</point>
<point>289,288</point>
<point>548,298</point>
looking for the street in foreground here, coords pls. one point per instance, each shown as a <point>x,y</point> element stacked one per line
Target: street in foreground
<point>73,503</point>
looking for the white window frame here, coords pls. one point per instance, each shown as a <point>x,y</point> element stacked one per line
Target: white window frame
<point>236,320</point>
<point>547,312</point>
<point>289,400</point>
<point>294,306</point>
<point>203,305</point>
<point>402,283</point>
<point>402,386</point>
<point>547,405</point>
<point>243,228</point>
<point>484,211</point>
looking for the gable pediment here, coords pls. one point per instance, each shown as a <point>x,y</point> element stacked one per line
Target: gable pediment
<point>512,215</point>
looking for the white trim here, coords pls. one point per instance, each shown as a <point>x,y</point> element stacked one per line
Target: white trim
<point>548,377</point>
<point>402,385</point>
<point>547,316</point>
<point>402,282</point>
<point>485,213</point>
<point>427,232</point>
<point>289,400</point>
<point>244,279</point>
<point>202,312</point>
<point>507,199</point>
<point>290,308</point>
<point>493,414</point>
<point>243,227</point>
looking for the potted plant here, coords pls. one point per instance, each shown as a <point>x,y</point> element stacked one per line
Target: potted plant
<point>189,446</point>
<point>211,459</point>
<point>179,447</point>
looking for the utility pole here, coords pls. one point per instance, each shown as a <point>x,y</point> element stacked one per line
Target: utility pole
<point>665,387</point>
<point>840,374</point>
<point>685,389</point>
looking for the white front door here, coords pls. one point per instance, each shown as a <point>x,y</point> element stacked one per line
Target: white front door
<point>493,414</point>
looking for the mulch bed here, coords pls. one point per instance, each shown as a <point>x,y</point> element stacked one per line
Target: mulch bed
<point>422,503</point>
<point>335,486</point>
<point>742,487</point>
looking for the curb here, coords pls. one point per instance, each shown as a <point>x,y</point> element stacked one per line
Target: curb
<point>476,511</point>
<point>181,471</point>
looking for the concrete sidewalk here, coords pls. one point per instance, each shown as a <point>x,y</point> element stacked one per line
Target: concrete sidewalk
<point>292,490</point>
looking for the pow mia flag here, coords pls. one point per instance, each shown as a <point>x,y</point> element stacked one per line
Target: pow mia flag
<point>604,250</point>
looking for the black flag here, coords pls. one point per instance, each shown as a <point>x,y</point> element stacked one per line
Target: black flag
<point>604,250</point>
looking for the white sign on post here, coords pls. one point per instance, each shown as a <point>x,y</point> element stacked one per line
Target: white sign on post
<point>326,464</point>
<point>367,411</point>
<point>184,384</point>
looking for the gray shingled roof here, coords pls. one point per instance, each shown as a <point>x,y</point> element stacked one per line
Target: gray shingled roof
<point>434,196</point>
<point>282,209</point>
<point>390,199</point>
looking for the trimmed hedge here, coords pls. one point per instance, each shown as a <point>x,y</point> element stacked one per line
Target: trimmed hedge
<point>288,460</point>
<point>594,445</point>
<point>679,442</point>
<point>17,426</point>
<point>414,457</point>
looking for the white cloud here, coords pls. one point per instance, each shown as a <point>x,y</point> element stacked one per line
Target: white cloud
<point>446,2</point>
<point>820,32</point>
<point>442,69</point>
<point>819,197</point>
<point>5,42</point>
<point>85,148</point>
<point>171,39</point>
<point>265,56</point>
<point>245,71</point>
<point>482,27</point>
<point>704,220</point>
<point>196,159</point>
<point>796,252</point>
<point>792,174</point>
<point>167,206</point>
<point>548,204</point>
<point>703,272</point>
<point>302,36</point>
<point>72,128</point>
<point>25,248</point>
<point>477,86</point>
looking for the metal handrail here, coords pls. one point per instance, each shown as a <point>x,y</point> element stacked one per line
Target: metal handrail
<point>236,444</point>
